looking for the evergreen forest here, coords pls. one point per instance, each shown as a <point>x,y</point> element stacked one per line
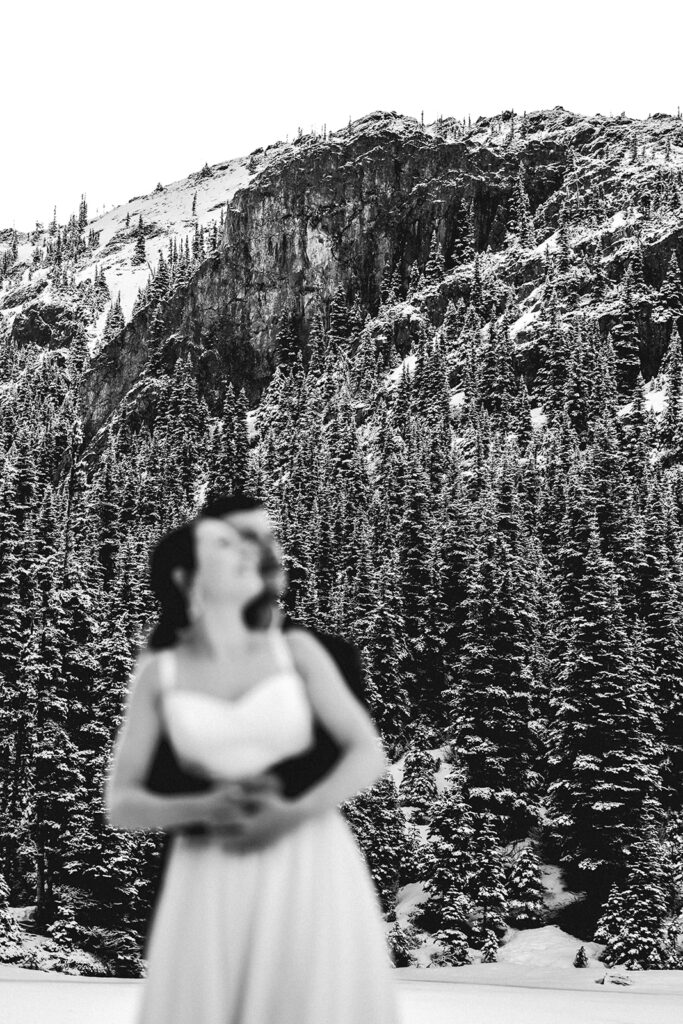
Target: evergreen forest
<point>476,476</point>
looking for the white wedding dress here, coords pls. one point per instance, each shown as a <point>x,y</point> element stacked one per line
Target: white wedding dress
<point>289,933</point>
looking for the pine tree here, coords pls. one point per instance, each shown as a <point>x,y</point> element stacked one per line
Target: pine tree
<point>287,338</point>
<point>463,227</point>
<point>671,428</point>
<point>419,587</point>
<point>638,439</point>
<point>525,891</point>
<point>418,784</point>
<point>379,828</point>
<point>638,268</point>
<point>16,700</point>
<point>340,327</point>
<point>222,450</point>
<point>604,747</point>
<point>388,698</point>
<point>139,252</point>
<point>448,862</point>
<point>486,883</point>
<point>57,774</point>
<point>387,296</point>
<point>497,380</point>
<point>563,246</point>
<point>489,948</point>
<point>79,354</point>
<point>10,934</point>
<point>435,267</point>
<point>577,385</point>
<point>638,922</point>
<point>402,943</point>
<point>659,604</point>
<point>522,222</point>
<point>611,488</point>
<point>477,287</point>
<point>581,958</point>
<point>102,292</point>
<point>490,705</point>
<point>455,952</point>
<point>670,301</point>
<point>115,321</point>
<point>451,333</point>
<point>105,513</point>
<point>161,280</point>
<point>554,357</point>
<point>626,341</point>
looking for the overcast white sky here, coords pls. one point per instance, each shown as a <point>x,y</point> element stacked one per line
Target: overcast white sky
<point>109,98</point>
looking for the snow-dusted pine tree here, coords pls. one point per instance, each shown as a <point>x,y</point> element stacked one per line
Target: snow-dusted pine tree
<point>525,891</point>
<point>639,920</point>
<point>418,784</point>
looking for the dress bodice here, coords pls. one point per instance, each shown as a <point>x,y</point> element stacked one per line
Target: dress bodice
<point>235,738</point>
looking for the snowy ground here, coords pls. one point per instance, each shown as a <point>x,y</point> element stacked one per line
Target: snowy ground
<point>509,994</point>
<point>534,981</point>
<point>502,993</point>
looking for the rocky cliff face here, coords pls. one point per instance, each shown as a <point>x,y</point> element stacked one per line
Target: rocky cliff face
<point>325,213</point>
<point>322,213</point>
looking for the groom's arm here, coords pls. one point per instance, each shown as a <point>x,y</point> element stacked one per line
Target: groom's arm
<point>301,772</point>
<point>346,655</point>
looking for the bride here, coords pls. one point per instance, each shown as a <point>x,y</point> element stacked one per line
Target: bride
<point>270,915</point>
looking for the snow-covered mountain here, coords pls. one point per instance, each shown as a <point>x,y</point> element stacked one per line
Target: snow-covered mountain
<point>287,226</point>
<point>169,213</point>
<point>172,212</point>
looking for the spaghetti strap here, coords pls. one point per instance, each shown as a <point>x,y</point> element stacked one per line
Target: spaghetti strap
<point>281,648</point>
<point>166,669</point>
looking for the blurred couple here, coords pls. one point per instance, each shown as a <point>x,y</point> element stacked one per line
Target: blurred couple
<point>242,734</point>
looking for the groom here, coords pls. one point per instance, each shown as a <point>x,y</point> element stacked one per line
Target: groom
<point>249,517</point>
<point>295,774</point>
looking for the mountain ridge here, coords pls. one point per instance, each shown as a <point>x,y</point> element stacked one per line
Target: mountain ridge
<point>325,212</point>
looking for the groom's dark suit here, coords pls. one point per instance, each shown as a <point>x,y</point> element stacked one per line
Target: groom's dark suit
<point>296,773</point>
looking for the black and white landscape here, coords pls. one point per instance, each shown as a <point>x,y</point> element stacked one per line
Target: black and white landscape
<point>448,355</point>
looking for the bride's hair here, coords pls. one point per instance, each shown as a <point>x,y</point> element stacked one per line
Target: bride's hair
<point>176,548</point>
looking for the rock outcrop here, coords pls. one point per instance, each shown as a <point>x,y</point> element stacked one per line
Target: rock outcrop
<point>343,211</point>
<point>328,213</point>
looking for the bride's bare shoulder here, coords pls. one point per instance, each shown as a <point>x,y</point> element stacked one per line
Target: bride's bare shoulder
<point>147,672</point>
<point>299,637</point>
<point>309,651</point>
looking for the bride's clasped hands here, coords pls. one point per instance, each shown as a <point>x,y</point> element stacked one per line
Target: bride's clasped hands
<point>249,813</point>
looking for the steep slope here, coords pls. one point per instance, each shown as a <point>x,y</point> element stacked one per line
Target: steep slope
<point>345,211</point>
<point>167,213</point>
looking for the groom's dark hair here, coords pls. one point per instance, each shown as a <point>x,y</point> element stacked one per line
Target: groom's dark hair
<point>225,503</point>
